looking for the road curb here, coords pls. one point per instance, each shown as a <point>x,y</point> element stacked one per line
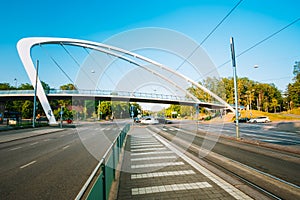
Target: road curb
<point>31,136</point>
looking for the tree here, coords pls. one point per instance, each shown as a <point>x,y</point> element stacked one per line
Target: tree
<point>27,109</point>
<point>296,69</point>
<point>5,86</point>
<point>25,86</point>
<point>45,86</point>
<point>105,109</point>
<point>68,86</point>
<point>293,89</point>
<point>136,109</point>
<point>258,95</point>
<point>173,109</point>
<point>274,104</point>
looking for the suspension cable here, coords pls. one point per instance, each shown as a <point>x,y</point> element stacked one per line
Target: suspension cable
<point>56,63</point>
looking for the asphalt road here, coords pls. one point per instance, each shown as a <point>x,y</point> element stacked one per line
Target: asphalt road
<point>53,166</point>
<point>280,164</point>
<point>261,132</point>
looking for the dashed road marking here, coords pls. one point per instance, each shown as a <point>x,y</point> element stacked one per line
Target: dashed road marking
<point>28,164</point>
<point>16,148</point>
<point>66,147</point>
<point>34,143</point>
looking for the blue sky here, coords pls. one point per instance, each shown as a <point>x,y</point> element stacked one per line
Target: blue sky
<point>97,20</point>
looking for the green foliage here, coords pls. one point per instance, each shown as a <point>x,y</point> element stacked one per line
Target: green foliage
<point>173,109</point>
<point>68,86</point>
<point>25,86</point>
<point>296,69</point>
<point>259,96</point>
<point>136,109</point>
<point>105,109</point>
<point>27,109</point>
<point>293,89</point>
<point>5,86</point>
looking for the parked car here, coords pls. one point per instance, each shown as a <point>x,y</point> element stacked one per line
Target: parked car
<point>137,120</point>
<point>259,120</point>
<point>243,120</point>
<point>149,120</point>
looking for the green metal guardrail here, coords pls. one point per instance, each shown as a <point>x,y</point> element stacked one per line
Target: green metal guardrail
<point>105,172</point>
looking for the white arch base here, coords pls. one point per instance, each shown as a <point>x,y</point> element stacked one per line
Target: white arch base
<point>24,48</point>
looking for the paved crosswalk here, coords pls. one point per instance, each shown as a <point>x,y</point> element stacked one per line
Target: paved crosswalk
<point>159,171</point>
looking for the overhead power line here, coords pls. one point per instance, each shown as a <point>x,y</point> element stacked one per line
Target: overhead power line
<point>258,43</point>
<point>213,30</point>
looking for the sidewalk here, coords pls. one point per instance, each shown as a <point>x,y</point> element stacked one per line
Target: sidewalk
<point>12,135</point>
<point>153,169</point>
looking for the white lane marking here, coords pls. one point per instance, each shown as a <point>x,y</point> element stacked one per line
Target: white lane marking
<point>66,147</point>
<point>143,146</point>
<point>32,162</point>
<point>13,149</point>
<point>153,158</point>
<point>46,140</point>
<point>152,153</point>
<point>168,188</point>
<point>140,144</point>
<point>34,143</point>
<point>148,149</point>
<point>157,165</point>
<point>160,174</point>
<point>137,143</point>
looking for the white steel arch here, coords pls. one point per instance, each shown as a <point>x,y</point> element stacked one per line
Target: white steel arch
<point>24,48</point>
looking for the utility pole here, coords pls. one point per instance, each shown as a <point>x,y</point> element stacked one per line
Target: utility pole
<point>61,115</point>
<point>235,89</point>
<point>35,89</point>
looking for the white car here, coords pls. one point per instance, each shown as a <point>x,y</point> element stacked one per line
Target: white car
<point>149,120</point>
<point>259,120</point>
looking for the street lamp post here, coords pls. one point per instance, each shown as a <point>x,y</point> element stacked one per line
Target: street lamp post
<point>35,89</point>
<point>16,82</point>
<point>235,88</point>
<point>61,115</point>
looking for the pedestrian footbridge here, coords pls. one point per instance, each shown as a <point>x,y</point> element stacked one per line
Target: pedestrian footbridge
<point>161,72</point>
<point>109,95</point>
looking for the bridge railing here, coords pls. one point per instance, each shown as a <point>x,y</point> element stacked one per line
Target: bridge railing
<point>109,93</point>
<point>8,92</point>
<point>122,94</point>
<point>99,184</point>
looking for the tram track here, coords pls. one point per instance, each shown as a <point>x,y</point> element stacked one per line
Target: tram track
<point>269,185</point>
